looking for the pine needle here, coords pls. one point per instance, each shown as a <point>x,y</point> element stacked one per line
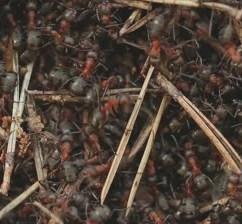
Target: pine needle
<point>125,137</point>
<point>45,210</point>
<point>135,14</point>
<point>141,22</point>
<point>223,146</point>
<point>140,141</point>
<point>231,11</point>
<point>17,201</point>
<point>135,4</point>
<point>147,151</point>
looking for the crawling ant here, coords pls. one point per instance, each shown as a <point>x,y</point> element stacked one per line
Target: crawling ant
<point>151,171</point>
<point>105,16</point>
<point>31,14</point>
<point>99,215</point>
<point>78,85</point>
<point>112,82</point>
<point>199,179</point>
<point>187,209</point>
<point>16,33</point>
<point>104,10</point>
<point>64,26</point>
<point>6,46</point>
<point>156,218</point>
<point>58,77</point>
<point>155,28</point>
<point>111,106</point>
<point>9,16</point>
<point>234,183</point>
<point>65,23</point>
<point>89,64</point>
<point>144,201</point>
<point>99,121</point>
<point>92,175</point>
<point>66,127</point>
<point>91,143</point>
<point>70,171</point>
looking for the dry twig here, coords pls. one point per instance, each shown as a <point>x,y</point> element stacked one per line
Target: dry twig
<point>125,137</point>
<point>147,151</point>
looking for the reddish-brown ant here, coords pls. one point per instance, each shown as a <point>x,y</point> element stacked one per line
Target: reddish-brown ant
<point>31,13</point>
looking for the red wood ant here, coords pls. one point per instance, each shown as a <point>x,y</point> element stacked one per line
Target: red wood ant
<point>66,138</point>
<point>10,16</point>
<point>156,218</point>
<point>234,181</point>
<point>112,105</point>
<point>31,13</point>
<point>105,12</point>
<point>156,26</point>
<point>199,179</point>
<point>89,64</point>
